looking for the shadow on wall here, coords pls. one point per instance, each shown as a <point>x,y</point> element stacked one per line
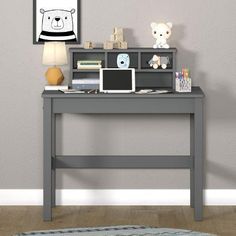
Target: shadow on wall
<point>221,171</point>
<point>219,103</point>
<point>130,37</point>
<point>66,72</point>
<point>185,57</point>
<point>221,97</point>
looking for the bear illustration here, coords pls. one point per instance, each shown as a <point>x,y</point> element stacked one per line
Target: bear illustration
<point>57,25</point>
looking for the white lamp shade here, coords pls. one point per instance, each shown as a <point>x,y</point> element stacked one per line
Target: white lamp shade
<point>54,54</point>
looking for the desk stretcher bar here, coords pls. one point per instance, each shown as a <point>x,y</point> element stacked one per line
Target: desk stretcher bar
<point>123,162</point>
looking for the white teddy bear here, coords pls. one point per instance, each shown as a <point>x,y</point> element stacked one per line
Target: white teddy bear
<point>161,32</point>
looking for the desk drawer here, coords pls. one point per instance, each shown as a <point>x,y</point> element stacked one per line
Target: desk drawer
<point>103,105</point>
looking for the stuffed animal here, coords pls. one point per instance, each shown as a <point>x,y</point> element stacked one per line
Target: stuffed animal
<point>161,32</point>
<point>157,61</point>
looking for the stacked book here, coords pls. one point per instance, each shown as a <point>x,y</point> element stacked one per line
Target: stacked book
<point>85,84</point>
<point>89,65</point>
<point>56,87</point>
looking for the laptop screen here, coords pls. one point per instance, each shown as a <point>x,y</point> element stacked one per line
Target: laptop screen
<point>115,80</point>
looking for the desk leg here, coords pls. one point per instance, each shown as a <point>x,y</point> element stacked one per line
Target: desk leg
<point>198,160</point>
<point>53,156</point>
<point>192,134</point>
<point>47,159</point>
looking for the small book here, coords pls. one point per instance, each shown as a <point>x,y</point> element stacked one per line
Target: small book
<point>85,81</point>
<point>71,91</point>
<point>89,67</point>
<point>55,87</point>
<point>85,86</point>
<point>89,62</point>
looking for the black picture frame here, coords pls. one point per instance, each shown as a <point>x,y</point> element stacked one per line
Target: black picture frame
<point>78,36</point>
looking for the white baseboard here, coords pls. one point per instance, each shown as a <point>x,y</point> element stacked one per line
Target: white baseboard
<point>23,197</point>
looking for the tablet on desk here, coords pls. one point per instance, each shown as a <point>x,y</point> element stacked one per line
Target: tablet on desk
<point>116,80</point>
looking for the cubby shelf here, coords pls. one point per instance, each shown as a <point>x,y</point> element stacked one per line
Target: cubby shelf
<point>137,70</point>
<point>139,58</point>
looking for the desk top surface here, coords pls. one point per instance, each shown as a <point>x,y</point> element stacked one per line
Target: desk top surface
<point>196,93</point>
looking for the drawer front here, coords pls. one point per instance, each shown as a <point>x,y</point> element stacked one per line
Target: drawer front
<point>119,105</point>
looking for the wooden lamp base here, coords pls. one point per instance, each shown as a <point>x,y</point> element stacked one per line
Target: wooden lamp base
<point>54,76</point>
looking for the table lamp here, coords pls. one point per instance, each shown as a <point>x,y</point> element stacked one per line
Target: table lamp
<point>54,54</point>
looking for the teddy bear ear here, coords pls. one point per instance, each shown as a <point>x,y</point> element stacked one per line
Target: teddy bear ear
<point>72,11</point>
<point>169,24</point>
<point>42,10</point>
<point>153,24</point>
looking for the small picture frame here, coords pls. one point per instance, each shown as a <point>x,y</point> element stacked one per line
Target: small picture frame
<point>56,20</point>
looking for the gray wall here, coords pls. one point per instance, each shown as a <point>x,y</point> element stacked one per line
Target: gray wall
<point>204,33</point>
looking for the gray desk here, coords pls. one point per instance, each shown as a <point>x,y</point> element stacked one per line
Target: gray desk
<point>58,103</point>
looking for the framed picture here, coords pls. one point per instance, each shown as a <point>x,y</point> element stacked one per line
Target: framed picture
<point>56,20</point>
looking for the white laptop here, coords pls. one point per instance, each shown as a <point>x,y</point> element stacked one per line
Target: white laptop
<point>116,80</point>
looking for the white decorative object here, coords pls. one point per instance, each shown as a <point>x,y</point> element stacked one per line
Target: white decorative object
<point>116,40</point>
<point>161,32</point>
<point>157,61</point>
<point>123,60</point>
<point>88,45</point>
